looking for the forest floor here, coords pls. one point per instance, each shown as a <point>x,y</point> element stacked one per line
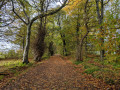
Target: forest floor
<point>56,73</point>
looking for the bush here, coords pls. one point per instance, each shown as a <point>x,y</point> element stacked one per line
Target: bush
<point>86,66</point>
<point>77,62</point>
<point>91,70</point>
<point>12,54</point>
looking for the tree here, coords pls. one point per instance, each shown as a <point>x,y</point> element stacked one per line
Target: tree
<point>82,22</point>
<point>100,15</point>
<point>29,23</point>
<point>80,45</point>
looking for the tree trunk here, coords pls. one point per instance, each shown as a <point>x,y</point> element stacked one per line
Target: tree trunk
<point>80,48</point>
<point>79,52</point>
<point>118,51</point>
<point>39,45</point>
<point>100,18</point>
<point>51,49</point>
<point>86,47</point>
<point>64,44</point>
<point>23,43</point>
<point>80,45</point>
<point>26,51</point>
<point>119,47</point>
<point>102,51</point>
<point>78,41</point>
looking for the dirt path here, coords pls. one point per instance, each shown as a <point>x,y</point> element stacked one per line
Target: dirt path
<point>55,74</point>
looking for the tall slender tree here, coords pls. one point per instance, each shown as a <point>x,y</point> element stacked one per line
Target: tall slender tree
<point>100,16</point>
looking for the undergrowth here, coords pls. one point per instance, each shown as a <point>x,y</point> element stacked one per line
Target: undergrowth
<point>91,70</point>
<point>109,72</point>
<point>1,77</point>
<point>77,62</point>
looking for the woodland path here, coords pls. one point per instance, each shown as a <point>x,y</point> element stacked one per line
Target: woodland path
<point>55,74</point>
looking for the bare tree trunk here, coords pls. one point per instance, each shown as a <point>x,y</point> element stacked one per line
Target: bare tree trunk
<point>26,51</point>
<point>23,41</point>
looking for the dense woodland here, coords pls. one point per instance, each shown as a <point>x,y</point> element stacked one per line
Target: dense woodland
<point>79,29</point>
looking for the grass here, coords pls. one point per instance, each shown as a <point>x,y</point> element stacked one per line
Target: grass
<point>14,67</point>
<point>10,62</point>
<point>13,63</point>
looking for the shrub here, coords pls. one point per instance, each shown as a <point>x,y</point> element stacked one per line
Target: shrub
<point>91,70</point>
<point>77,62</point>
<point>86,66</point>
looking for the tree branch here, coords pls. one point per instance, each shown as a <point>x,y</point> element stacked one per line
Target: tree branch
<point>106,2</point>
<point>13,9</point>
<point>113,28</point>
<point>8,23</point>
<point>97,7</point>
<point>49,13</point>
<point>3,3</point>
<point>24,11</point>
